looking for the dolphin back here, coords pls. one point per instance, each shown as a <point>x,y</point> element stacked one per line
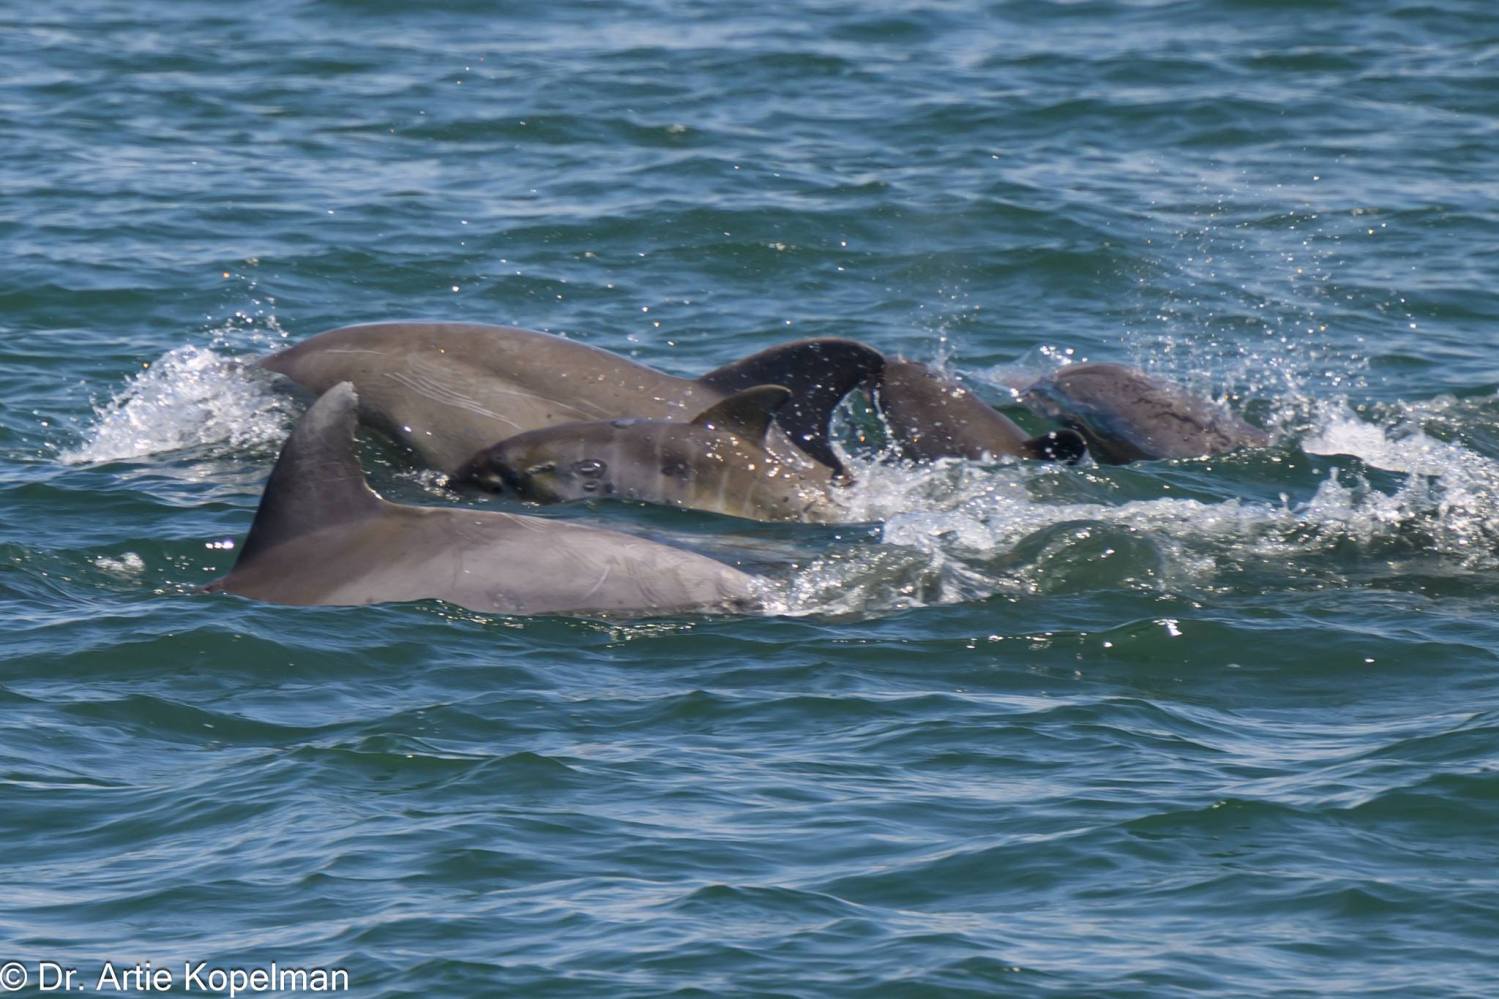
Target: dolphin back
<point>322,536</point>
<point>1127,415</point>
<point>931,416</point>
<point>446,390</point>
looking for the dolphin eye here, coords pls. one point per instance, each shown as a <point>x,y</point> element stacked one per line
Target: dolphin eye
<point>545,466</point>
<point>589,468</point>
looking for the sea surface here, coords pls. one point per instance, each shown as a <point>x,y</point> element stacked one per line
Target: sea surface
<point>1220,727</point>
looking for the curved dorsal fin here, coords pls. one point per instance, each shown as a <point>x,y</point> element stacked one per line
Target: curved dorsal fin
<point>746,413</point>
<point>819,373</point>
<point>317,481</point>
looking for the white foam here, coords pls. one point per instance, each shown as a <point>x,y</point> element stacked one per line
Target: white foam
<point>1403,447</point>
<point>128,565</point>
<point>1450,493</point>
<point>190,397</point>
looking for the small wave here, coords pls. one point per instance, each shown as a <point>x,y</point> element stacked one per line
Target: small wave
<point>189,397</point>
<point>1401,446</point>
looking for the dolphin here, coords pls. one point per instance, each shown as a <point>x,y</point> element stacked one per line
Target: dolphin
<point>933,416</point>
<point>717,462</point>
<point>1126,415</point>
<point>448,390</point>
<point>322,536</point>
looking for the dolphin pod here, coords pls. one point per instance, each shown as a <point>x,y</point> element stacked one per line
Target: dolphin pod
<point>551,419</point>
<point>322,536</point>
<point>450,390</point>
<point>716,462</point>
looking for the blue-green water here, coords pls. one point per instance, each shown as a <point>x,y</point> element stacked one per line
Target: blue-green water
<point>1223,727</point>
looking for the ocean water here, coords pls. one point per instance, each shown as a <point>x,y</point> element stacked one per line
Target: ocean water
<point>1214,727</point>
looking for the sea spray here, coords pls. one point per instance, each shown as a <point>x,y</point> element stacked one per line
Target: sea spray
<point>190,397</point>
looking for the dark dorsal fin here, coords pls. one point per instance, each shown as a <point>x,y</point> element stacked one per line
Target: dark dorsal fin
<point>746,413</point>
<point>317,482</point>
<point>819,373</point>
<point>1056,445</point>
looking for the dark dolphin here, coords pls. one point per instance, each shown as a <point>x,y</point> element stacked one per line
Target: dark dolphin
<point>932,416</point>
<point>1126,415</point>
<point>322,536</point>
<point>717,462</point>
<point>448,390</point>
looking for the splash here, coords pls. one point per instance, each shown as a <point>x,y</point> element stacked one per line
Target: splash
<point>1449,495</point>
<point>128,565</point>
<point>190,397</point>
<point>1402,446</point>
<point>1385,491</point>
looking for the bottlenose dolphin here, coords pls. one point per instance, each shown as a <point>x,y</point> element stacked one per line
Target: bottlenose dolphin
<point>1126,415</point>
<point>717,462</point>
<point>933,416</point>
<point>322,536</point>
<point>448,390</point>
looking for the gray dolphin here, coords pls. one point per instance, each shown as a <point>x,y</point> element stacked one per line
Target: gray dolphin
<point>322,536</point>
<point>448,390</point>
<point>1126,415</point>
<point>934,416</point>
<point>717,462</point>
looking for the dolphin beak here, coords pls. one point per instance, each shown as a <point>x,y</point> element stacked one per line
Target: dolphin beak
<point>507,478</point>
<point>490,481</point>
<point>483,473</point>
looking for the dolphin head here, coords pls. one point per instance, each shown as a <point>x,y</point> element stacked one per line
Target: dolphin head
<point>541,466</point>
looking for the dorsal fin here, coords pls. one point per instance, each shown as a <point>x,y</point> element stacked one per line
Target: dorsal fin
<point>819,373</point>
<point>746,413</point>
<point>317,482</point>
